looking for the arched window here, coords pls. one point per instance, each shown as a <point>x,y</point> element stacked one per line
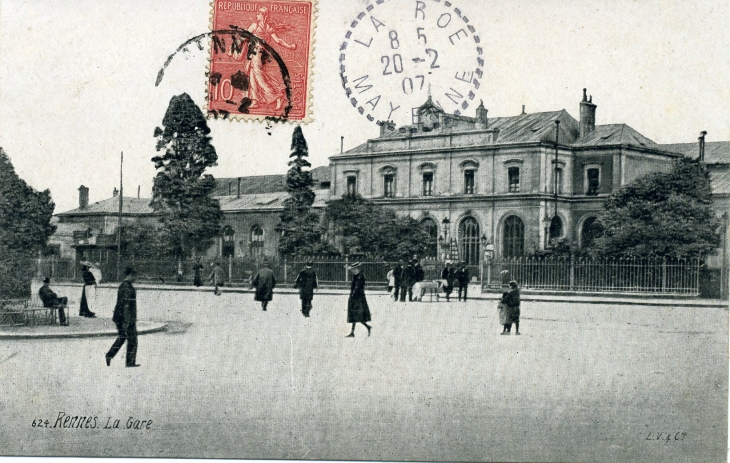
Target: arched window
<point>229,243</point>
<point>590,230</point>
<point>257,240</point>
<point>556,228</point>
<point>433,230</point>
<point>513,244</point>
<point>469,241</point>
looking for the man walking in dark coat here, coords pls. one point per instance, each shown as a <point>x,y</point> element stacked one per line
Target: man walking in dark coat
<point>357,306</point>
<point>462,278</point>
<point>264,282</point>
<point>398,275</point>
<point>306,283</point>
<point>407,281</point>
<point>89,280</point>
<point>50,299</point>
<point>125,317</point>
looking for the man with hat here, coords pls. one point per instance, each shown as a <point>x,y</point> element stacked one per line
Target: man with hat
<point>447,275</point>
<point>264,282</point>
<point>50,300</point>
<point>462,278</point>
<point>408,278</point>
<point>306,283</point>
<point>125,317</point>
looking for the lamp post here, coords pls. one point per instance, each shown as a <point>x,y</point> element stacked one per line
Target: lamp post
<point>445,224</point>
<point>440,243</point>
<point>483,242</point>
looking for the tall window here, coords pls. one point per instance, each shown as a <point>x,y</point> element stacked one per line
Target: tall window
<point>556,228</point>
<point>593,176</point>
<point>513,243</point>
<point>388,185</point>
<point>469,241</point>
<point>513,173</point>
<point>351,185</point>
<point>428,184</point>
<point>229,243</point>
<point>433,229</point>
<point>558,178</point>
<point>589,232</point>
<point>469,182</point>
<point>257,241</point>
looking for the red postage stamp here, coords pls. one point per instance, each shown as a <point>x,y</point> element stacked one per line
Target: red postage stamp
<point>261,59</point>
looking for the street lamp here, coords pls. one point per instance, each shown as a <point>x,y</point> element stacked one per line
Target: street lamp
<point>488,253</point>
<point>445,242</point>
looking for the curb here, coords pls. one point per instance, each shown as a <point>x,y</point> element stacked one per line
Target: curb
<point>154,328</point>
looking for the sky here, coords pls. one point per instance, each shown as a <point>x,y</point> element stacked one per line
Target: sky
<point>77,80</point>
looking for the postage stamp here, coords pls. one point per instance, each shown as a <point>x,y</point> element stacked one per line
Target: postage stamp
<point>261,59</point>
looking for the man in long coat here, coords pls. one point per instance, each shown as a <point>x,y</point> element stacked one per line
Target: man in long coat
<point>125,317</point>
<point>398,275</point>
<point>264,282</point>
<point>447,274</point>
<point>357,306</point>
<point>306,283</point>
<point>407,280</point>
<point>462,278</point>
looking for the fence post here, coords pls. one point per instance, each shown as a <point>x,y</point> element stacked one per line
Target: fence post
<point>285,268</point>
<point>572,271</point>
<point>347,267</point>
<point>230,269</point>
<point>664,274</point>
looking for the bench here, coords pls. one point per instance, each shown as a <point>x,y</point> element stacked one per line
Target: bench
<point>21,312</point>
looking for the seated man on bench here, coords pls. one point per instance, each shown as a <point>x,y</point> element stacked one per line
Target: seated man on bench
<point>50,300</point>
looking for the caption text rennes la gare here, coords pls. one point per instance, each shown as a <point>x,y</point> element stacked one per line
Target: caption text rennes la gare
<point>64,421</point>
<point>273,7</point>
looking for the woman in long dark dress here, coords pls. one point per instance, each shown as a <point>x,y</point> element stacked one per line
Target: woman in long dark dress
<point>89,281</point>
<point>513,307</point>
<point>357,306</point>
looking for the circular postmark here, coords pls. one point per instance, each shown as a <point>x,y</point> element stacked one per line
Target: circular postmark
<point>397,54</point>
<point>230,89</point>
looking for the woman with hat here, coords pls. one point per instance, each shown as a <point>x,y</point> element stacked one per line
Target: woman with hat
<point>89,281</point>
<point>357,306</point>
<point>511,300</point>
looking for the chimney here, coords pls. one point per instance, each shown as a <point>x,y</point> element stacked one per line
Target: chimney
<point>342,144</point>
<point>587,115</point>
<point>238,193</point>
<point>83,197</point>
<point>523,109</point>
<point>702,145</point>
<point>482,122</point>
<point>115,192</point>
<point>138,188</point>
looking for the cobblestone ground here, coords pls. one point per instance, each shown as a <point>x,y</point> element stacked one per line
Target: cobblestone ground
<point>435,381</point>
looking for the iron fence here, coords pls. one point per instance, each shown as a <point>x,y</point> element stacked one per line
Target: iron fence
<point>554,274</point>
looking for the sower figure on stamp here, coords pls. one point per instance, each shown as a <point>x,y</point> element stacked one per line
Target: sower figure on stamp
<point>306,283</point>
<point>264,282</point>
<point>357,306</point>
<point>265,83</point>
<point>49,299</point>
<point>125,317</point>
<point>89,281</point>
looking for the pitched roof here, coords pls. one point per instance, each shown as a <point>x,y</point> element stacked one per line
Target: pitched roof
<point>535,127</point>
<point>264,183</point>
<point>130,206</point>
<point>715,152</point>
<point>615,134</point>
<point>266,201</point>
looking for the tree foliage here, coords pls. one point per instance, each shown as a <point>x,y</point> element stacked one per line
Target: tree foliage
<point>661,215</point>
<point>25,225</point>
<point>301,227</point>
<point>191,218</point>
<point>360,226</point>
<point>142,240</point>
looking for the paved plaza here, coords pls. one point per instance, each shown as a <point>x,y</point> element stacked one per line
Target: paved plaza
<point>435,381</point>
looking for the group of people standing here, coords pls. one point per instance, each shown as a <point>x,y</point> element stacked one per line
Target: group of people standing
<point>456,275</point>
<point>402,277</point>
